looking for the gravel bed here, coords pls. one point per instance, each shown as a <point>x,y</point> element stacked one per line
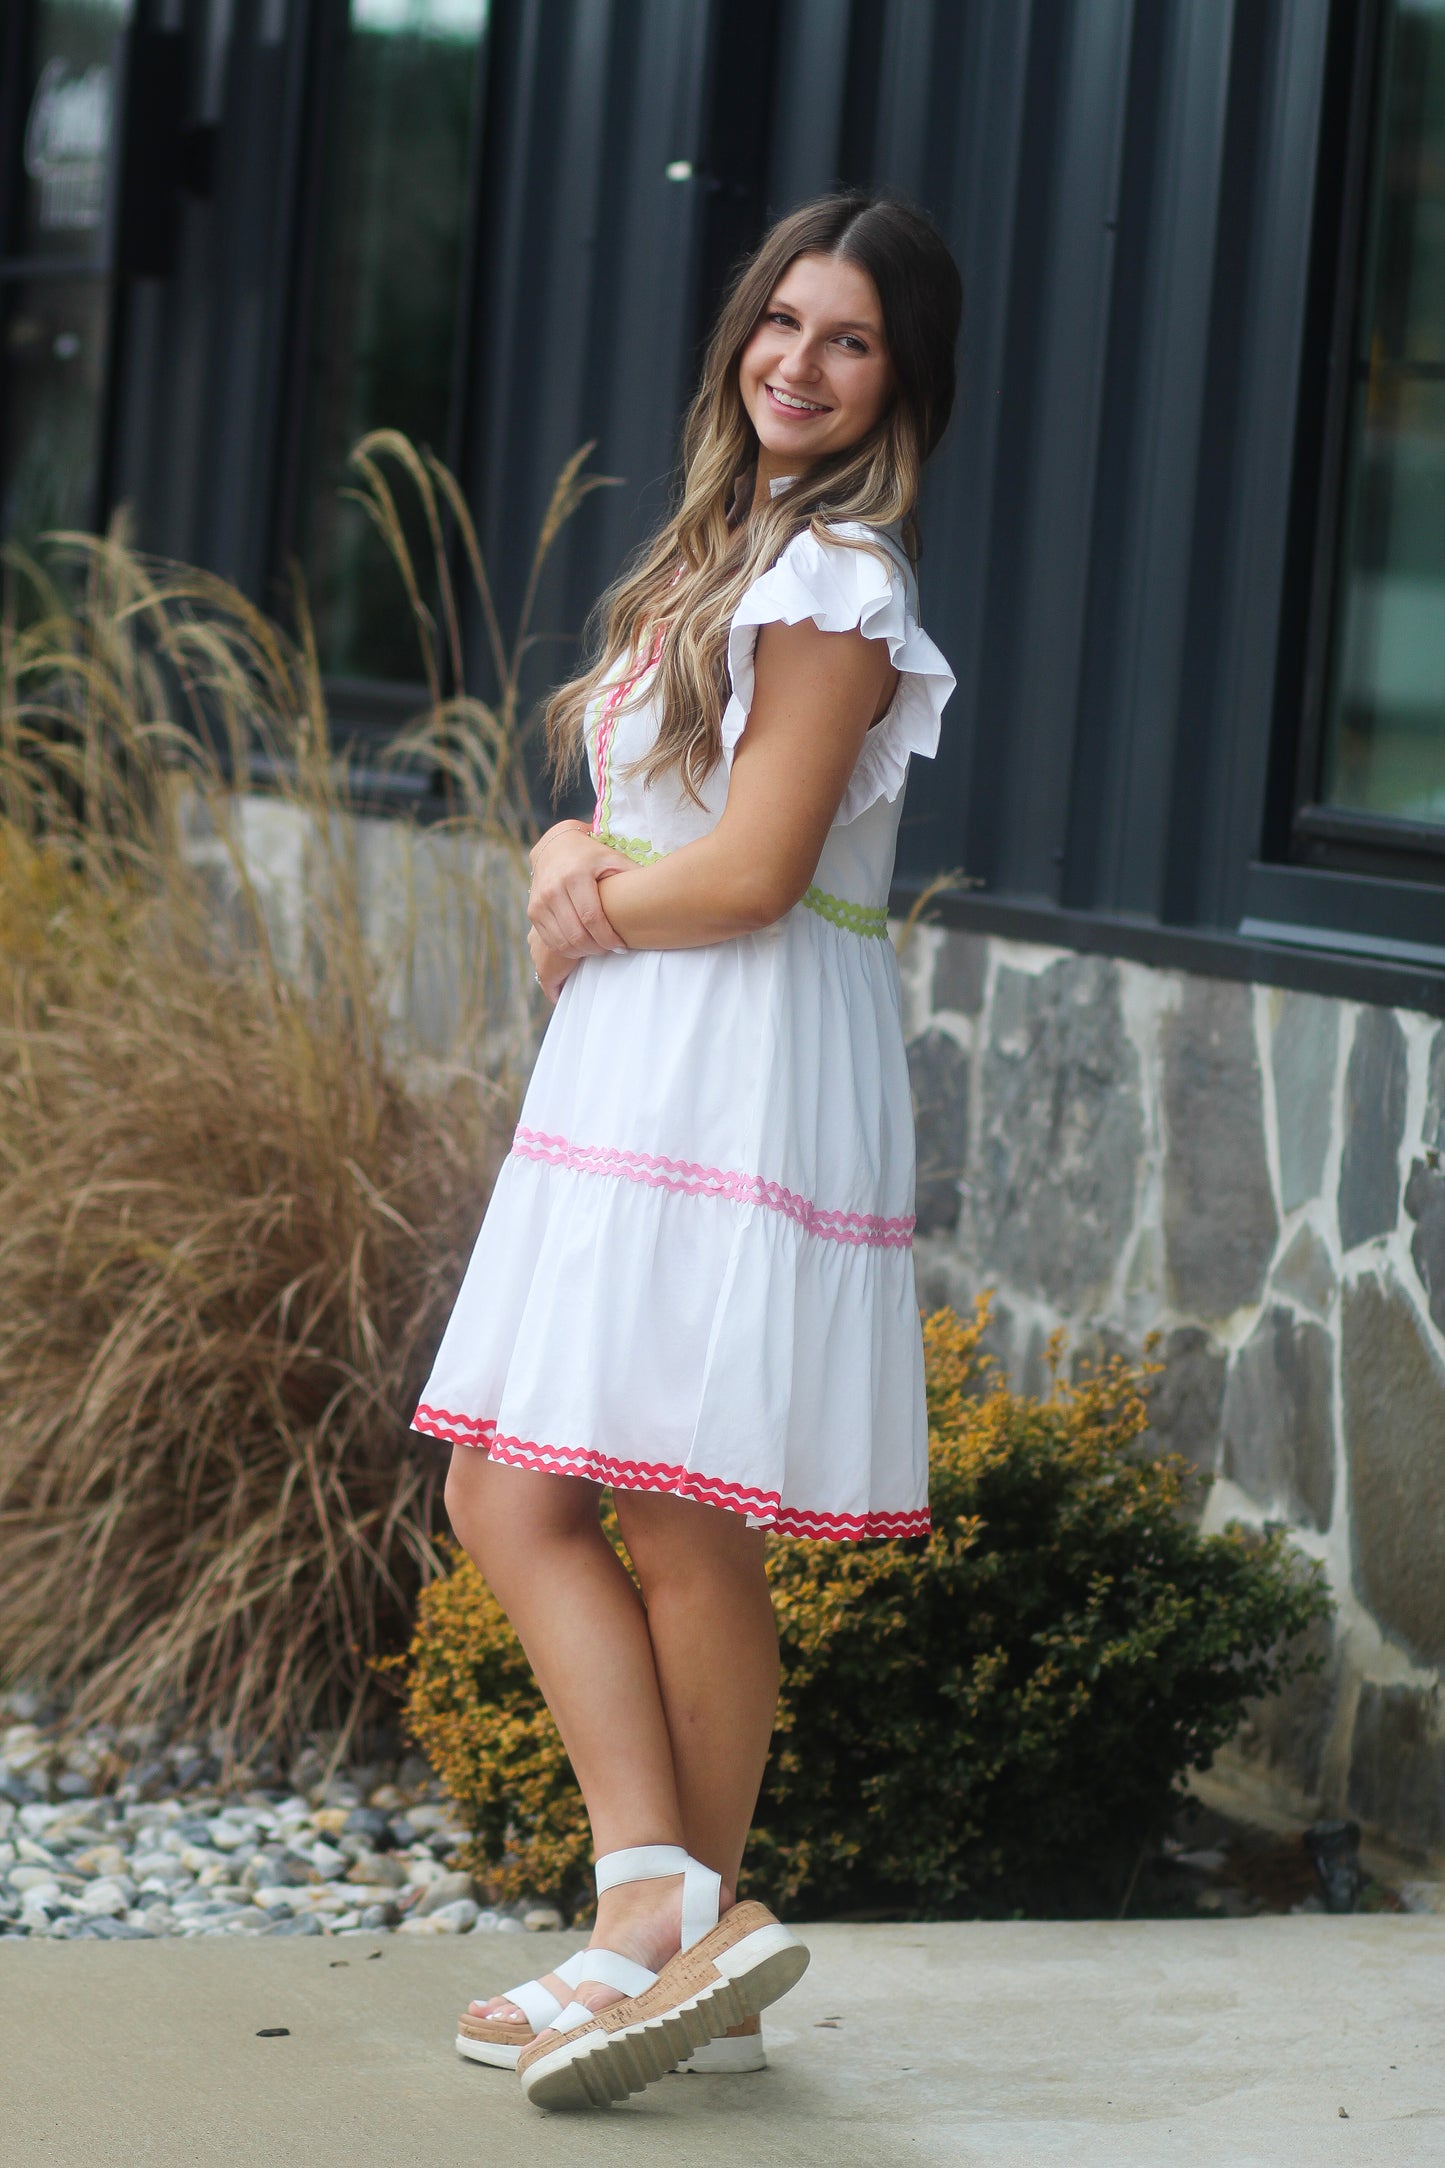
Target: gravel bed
<point>120,1836</point>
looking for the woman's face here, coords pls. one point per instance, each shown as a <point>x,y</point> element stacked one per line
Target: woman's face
<point>815,375</point>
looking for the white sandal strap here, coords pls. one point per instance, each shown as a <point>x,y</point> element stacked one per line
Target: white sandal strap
<point>640,1863</point>
<point>701,1888</point>
<point>575,2014</point>
<point>540,2006</point>
<point>610,1970</point>
<point>701,1900</point>
<point>537,2003</point>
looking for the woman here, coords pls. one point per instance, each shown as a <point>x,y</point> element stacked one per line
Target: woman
<point>694,1282</point>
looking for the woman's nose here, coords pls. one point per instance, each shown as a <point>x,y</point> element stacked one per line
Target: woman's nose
<point>800,361</point>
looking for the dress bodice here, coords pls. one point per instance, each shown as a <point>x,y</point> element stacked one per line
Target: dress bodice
<point>840,587</point>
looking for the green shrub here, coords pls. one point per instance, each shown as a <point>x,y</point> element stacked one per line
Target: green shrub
<point>994,1719</point>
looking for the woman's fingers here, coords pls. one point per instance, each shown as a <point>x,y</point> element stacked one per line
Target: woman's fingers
<point>552,970</point>
<point>557,921</point>
<point>567,912</point>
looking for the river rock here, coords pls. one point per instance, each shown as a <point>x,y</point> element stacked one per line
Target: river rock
<point>372,1825</point>
<point>28,1878</point>
<point>444,1890</point>
<point>108,1896</point>
<point>101,1859</point>
<point>458,1917</point>
<point>375,1868</point>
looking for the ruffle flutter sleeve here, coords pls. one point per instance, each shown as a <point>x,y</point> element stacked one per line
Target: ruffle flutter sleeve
<point>840,588</point>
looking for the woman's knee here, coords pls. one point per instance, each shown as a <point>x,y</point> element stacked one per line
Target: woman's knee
<point>675,1543</point>
<point>498,1512</point>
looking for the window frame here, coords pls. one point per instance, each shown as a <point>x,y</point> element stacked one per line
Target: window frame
<point>1321,837</point>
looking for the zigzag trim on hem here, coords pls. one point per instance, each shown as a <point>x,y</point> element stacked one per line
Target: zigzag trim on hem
<point>764,1506</point>
<point>863,1229</point>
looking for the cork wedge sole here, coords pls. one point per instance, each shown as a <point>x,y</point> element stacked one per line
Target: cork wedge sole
<point>498,2046</point>
<point>746,1963</point>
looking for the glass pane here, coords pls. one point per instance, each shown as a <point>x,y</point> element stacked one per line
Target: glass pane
<point>55,333</point>
<point>393,254</point>
<point>1385,738</point>
<point>70,127</point>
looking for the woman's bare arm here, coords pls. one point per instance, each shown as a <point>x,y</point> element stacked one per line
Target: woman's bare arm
<point>815,694</point>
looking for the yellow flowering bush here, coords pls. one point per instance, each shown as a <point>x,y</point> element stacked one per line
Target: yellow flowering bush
<point>992,1719</point>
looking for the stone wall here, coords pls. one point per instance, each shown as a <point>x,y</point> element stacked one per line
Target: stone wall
<point>1259,1176</point>
<point>442,914</point>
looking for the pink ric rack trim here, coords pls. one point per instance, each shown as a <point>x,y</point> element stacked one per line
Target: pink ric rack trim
<point>864,1228</point>
<point>765,1506</point>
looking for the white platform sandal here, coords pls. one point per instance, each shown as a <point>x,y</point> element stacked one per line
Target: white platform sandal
<point>734,2054</point>
<point>727,1970</point>
<point>499,2041</point>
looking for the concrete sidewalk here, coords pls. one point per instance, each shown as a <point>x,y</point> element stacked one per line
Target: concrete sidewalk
<point>1221,2044</point>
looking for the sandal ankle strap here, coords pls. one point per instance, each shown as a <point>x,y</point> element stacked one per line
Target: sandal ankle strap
<point>701,1902</point>
<point>640,1863</point>
<point>701,1887</point>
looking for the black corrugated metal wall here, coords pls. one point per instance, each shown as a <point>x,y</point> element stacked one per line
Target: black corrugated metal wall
<point>1129,186</point>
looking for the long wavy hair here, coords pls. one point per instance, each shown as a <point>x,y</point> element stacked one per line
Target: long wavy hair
<point>686,582</point>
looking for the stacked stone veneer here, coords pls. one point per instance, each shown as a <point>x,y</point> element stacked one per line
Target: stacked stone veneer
<point>1259,1176</point>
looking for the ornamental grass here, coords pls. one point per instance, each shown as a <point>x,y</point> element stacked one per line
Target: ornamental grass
<point>997,1719</point>
<point>239,1179</point>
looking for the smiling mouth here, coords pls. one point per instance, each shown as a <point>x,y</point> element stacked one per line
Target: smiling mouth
<point>794,404</point>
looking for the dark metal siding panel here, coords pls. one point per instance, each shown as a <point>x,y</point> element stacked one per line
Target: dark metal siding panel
<point>1270,329</point>
<point>808,112</point>
<point>1142,545</point>
<point>202,395</point>
<point>967,510</point>
<point>1062,454</point>
<point>1128,186</point>
<point>585,296</point>
<point>1105,528</point>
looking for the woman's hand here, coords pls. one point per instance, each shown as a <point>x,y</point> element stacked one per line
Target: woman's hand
<point>552,970</point>
<point>562,903</point>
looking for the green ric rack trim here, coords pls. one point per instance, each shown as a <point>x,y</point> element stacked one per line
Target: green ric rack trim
<point>870,920</point>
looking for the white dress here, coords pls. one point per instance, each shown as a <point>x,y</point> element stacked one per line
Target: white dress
<point>695,1273</point>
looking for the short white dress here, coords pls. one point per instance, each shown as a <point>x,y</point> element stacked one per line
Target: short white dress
<point>695,1274</point>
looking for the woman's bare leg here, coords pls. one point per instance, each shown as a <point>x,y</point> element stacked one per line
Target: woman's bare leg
<point>715,1650</point>
<point>536,1541</point>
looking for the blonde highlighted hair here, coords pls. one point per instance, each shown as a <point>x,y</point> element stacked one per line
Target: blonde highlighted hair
<point>688,580</point>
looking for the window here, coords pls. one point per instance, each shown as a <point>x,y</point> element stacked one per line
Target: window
<point>386,339</point>
<point>56,285</point>
<point>1383,750</point>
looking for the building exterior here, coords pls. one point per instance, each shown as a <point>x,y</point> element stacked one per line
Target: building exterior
<point>1176,1046</point>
